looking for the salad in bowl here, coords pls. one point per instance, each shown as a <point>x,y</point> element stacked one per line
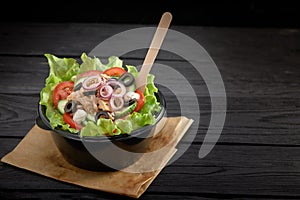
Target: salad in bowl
<point>90,98</point>
<point>97,117</point>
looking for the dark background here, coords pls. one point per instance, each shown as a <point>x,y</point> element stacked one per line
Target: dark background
<point>245,13</point>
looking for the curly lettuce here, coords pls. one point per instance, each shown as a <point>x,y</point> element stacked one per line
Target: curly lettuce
<point>66,69</point>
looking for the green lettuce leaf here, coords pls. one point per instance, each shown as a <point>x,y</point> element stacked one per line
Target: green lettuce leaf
<point>89,63</point>
<point>91,129</point>
<point>61,69</point>
<point>151,105</point>
<point>139,120</point>
<point>114,61</point>
<point>132,69</point>
<point>150,87</point>
<point>107,126</point>
<point>125,126</point>
<point>64,69</point>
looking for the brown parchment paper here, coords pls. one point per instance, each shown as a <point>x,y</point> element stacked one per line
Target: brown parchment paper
<point>38,153</point>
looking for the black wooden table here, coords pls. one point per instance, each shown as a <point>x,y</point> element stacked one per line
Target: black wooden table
<point>257,155</point>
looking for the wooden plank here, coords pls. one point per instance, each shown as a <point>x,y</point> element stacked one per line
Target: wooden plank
<point>248,120</point>
<point>254,13</point>
<point>239,82</point>
<point>228,169</point>
<point>270,105</point>
<point>239,45</point>
<point>21,75</point>
<point>18,114</point>
<point>90,194</point>
<point>86,194</point>
<point>248,71</point>
<point>238,169</point>
<point>265,125</point>
<point>64,39</point>
<point>257,154</point>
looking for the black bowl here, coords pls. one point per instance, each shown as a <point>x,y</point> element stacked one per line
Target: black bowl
<point>102,153</point>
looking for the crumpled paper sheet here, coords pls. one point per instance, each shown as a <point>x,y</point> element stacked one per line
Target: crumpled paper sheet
<point>37,153</point>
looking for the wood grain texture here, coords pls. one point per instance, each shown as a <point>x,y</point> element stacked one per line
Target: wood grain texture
<point>261,112</point>
<point>262,126</point>
<point>257,155</point>
<point>229,169</point>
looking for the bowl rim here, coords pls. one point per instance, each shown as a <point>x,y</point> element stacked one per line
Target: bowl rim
<point>121,137</point>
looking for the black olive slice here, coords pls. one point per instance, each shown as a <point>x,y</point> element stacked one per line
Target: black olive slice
<point>101,114</point>
<point>77,87</point>
<point>127,79</point>
<point>88,93</point>
<point>70,107</point>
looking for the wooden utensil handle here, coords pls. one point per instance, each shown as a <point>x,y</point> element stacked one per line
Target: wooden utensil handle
<point>155,45</point>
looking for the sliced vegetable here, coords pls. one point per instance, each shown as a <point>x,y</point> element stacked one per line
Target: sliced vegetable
<point>61,91</point>
<point>78,82</point>
<point>106,91</point>
<point>61,105</point>
<point>78,86</point>
<point>125,110</point>
<point>92,82</point>
<point>130,102</point>
<point>117,97</point>
<point>115,71</point>
<point>102,114</point>
<point>131,95</point>
<point>140,101</point>
<point>131,88</point>
<point>127,79</point>
<point>69,120</point>
<point>116,103</point>
<point>125,67</point>
<point>119,88</point>
<point>88,93</point>
<point>70,106</point>
<point>86,74</point>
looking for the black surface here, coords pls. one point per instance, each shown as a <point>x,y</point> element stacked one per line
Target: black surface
<point>257,155</point>
<point>247,13</point>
